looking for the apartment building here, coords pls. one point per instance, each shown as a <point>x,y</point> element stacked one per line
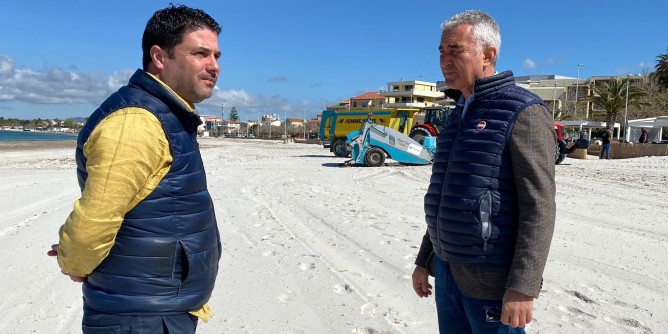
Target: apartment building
<point>341,105</point>
<point>209,123</point>
<point>560,93</point>
<point>411,94</point>
<point>371,100</point>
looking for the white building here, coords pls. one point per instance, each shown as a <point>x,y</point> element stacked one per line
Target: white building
<point>411,94</point>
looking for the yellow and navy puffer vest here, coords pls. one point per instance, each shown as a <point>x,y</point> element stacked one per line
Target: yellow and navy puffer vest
<point>471,202</point>
<point>165,256</point>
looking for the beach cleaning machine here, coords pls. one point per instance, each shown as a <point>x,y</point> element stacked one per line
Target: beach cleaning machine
<point>373,142</point>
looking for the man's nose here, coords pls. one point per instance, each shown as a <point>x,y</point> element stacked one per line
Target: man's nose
<point>213,65</point>
<point>444,61</point>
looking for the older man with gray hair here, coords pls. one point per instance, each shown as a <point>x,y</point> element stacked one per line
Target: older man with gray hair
<point>490,206</point>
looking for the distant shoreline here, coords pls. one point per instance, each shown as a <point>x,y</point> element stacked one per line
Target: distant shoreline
<point>17,135</point>
<point>36,145</point>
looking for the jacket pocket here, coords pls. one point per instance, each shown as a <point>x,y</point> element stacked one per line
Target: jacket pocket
<point>485,218</point>
<point>181,264</point>
<point>196,261</point>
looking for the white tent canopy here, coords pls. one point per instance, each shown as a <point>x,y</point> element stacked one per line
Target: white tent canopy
<point>654,127</point>
<point>589,125</point>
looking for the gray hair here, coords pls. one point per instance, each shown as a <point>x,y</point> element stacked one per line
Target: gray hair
<point>485,30</point>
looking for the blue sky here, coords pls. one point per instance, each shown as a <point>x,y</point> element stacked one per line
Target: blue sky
<point>60,59</point>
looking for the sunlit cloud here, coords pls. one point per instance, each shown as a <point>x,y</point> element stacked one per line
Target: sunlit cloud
<point>248,105</point>
<point>6,65</point>
<point>529,63</point>
<point>51,85</point>
<point>60,86</point>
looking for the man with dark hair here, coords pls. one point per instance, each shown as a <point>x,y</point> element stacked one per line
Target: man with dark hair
<point>143,237</point>
<point>643,136</point>
<point>605,144</point>
<point>490,205</point>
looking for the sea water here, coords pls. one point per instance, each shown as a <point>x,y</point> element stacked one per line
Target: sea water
<point>34,136</point>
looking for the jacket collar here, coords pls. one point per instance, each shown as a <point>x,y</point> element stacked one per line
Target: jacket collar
<point>148,83</point>
<point>484,86</point>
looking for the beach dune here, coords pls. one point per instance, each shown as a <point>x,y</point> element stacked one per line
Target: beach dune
<point>309,247</point>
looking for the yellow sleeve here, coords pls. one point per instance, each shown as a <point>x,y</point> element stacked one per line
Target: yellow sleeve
<point>204,313</point>
<point>127,156</point>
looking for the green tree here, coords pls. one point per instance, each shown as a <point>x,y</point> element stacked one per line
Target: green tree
<point>661,68</point>
<point>611,97</point>
<point>234,115</point>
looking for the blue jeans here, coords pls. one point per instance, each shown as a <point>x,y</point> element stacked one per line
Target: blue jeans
<point>459,314</point>
<point>605,151</point>
<point>95,322</point>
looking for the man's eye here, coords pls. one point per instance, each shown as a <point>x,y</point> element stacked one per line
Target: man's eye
<point>454,51</point>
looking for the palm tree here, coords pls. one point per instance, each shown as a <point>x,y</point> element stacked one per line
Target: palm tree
<point>661,68</point>
<point>611,97</point>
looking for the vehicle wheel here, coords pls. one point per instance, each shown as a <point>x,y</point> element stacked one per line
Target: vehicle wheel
<point>418,135</point>
<point>374,157</point>
<point>339,148</point>
<point>560,153</point>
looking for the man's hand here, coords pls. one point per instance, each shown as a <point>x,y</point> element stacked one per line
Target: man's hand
<point>53,251</point>
<point>421,282</point>
<point>75,278</point>
<point>517,309</point>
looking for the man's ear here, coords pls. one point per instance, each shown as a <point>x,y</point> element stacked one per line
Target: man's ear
<point>489,55</point>
<point>157,57</point>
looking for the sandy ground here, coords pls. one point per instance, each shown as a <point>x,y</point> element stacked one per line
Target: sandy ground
<point>313,248</point>
<point>36,145</point>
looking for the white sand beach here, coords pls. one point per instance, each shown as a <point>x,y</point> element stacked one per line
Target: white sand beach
<point>309,247</point>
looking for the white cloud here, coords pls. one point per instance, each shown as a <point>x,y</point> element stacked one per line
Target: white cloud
<point>56,85</point>
<point>118,79</point>
<point>550,61</point>
<point>249,105</point>
<point>51,85</point>
<point>529,63</point>
<point>6,65</point>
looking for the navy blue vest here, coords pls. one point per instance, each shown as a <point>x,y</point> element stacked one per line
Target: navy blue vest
<point>165,256</point>
<point>471,202</point>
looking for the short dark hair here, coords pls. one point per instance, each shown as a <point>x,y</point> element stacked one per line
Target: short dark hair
<point>167,26</point>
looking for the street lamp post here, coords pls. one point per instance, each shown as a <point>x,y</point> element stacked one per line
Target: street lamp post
<point>285,125</point>
<point>626,109</point>
<point>222,116</point>
<point>577,84</point>
<point>554,101</point>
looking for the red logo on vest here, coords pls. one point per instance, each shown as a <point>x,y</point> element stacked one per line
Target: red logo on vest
<point>481,125</point>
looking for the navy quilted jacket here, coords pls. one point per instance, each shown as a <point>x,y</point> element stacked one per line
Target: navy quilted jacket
<point>471,203</point>
<point>166,253</point>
